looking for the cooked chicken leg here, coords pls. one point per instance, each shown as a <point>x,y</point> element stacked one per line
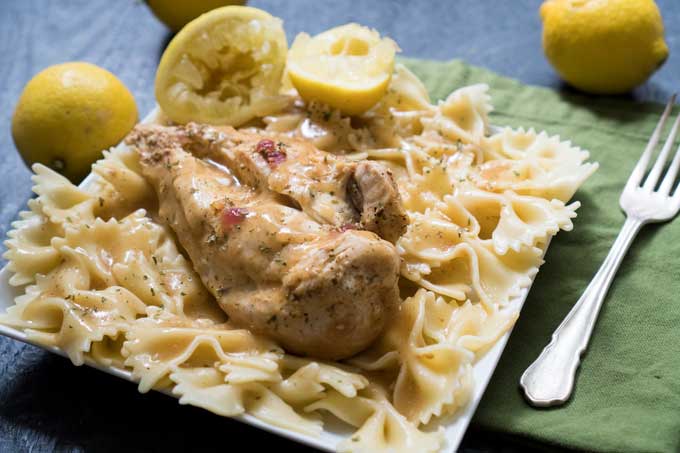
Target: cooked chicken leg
<point>316,289</point>
<point>329,188</point>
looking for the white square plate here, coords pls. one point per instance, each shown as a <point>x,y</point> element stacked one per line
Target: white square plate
<point>454,426</point>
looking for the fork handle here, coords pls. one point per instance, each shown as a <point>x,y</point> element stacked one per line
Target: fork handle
<point>549,381</point>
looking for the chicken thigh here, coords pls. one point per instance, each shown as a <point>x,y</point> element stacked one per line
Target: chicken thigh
<point>317,289</point>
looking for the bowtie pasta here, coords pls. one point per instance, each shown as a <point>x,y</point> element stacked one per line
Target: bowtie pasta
<point>105,281</point>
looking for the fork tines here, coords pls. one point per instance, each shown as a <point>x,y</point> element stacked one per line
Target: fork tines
<point>652,179</point>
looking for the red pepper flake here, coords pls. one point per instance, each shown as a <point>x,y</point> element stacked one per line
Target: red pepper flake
<point>265,146</point>
<point>273,153</point>
<point>232,217</point>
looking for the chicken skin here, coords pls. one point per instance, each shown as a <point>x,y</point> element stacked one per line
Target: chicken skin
<point>317,289</point>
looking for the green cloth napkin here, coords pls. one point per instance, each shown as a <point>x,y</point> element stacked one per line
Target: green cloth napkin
<point>627,396</point>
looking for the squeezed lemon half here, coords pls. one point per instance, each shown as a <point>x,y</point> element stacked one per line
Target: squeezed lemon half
<point>224,67</point>
<point>347,67</point>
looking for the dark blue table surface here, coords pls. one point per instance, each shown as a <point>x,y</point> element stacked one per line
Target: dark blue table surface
<point>46,404</point>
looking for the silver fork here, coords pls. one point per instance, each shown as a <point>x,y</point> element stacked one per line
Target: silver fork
<point>549,381</point>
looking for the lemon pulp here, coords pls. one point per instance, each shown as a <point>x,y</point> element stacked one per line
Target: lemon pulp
<point>224,67</point>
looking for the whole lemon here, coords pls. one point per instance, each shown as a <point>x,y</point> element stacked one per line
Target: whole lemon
<point>603,46</point>
<point>177,13</point>
<point>68,113</point>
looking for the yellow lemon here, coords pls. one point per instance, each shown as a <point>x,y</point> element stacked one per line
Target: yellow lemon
<point>603,46</point>
<point>223,68</point>
<point>68,113</point>
<point>347,67</point>
<point>177,13</point>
